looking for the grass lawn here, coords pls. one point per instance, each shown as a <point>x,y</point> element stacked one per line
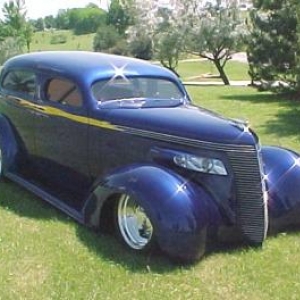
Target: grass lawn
<point>45,255</point>
<point>42,41</point>
<point>205,70</point>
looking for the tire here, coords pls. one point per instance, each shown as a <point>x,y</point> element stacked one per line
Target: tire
<point>133,226</point>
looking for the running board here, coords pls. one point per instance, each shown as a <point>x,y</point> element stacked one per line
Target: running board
<point>47,197</point>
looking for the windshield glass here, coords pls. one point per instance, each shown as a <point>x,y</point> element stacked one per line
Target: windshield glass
<point>136,88</point>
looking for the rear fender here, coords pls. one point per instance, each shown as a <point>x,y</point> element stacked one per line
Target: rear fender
<point>282,176</point>
<point>179,210</point>
<point>8,143</point>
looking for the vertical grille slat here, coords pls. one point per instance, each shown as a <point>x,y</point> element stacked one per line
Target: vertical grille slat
<point>251,212</point>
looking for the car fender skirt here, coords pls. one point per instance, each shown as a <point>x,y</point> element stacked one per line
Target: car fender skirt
<point>282,176</point>
<point>179,210</point>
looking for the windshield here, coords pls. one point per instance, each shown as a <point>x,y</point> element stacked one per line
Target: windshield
<point>136,88</point>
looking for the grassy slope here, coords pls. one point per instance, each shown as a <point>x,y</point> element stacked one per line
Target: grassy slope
<point>41,41</point>
<point>45,255</point>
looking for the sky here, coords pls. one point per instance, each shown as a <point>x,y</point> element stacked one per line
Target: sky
<point>42,8</point>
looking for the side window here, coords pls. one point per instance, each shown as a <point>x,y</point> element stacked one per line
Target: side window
<point>20,81</point>
<point>63,91</point>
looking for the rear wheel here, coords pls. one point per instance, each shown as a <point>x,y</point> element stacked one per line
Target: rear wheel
<point>133,224</point>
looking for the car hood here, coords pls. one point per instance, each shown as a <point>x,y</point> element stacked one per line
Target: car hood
<point>186,121</point>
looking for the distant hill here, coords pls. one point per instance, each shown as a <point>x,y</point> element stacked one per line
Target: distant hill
<point>61,40</point>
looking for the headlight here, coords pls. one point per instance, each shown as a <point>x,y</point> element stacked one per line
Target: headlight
<point>200,164</point>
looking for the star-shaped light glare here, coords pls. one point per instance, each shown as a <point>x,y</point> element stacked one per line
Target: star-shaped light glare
<point>180,188</point>
<point>246,129</point>
<point>119,72</point>
<point>265,177</point>
<point>297,162</point>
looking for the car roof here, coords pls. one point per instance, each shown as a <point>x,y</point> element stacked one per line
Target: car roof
<point>88,66</point>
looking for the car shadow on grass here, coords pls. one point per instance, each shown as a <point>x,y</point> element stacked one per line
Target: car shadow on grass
<point>22,203</point>
<point>285,122</point>
<point>105,246</point>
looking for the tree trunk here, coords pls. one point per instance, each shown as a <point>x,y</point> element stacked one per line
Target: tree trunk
<point>221,71</point>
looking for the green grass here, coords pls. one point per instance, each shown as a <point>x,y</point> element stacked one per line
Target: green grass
<point>46,255</point>
<point>42,41</point>
<point>274,118</point>
<point>202,71</point>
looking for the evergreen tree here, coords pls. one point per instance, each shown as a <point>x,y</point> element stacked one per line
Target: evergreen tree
<point>15,24</point>
<point>273,43</point>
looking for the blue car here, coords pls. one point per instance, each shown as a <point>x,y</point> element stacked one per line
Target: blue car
<point>117,144</point>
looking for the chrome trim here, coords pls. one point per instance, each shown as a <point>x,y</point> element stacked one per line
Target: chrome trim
<point>186,141</point>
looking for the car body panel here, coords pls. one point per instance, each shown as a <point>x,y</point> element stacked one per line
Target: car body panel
<point>282,175</point>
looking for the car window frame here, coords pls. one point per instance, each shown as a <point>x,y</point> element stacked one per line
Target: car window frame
<point>47,78</point>
<point>180,88</point>
<point>19,93</point>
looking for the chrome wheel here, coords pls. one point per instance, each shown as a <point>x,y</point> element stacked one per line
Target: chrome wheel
<point>134,225</point>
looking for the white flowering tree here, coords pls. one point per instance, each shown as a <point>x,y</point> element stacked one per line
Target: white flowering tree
<point>161,22</point>
<point>218,31</point>
<point>212,31</point>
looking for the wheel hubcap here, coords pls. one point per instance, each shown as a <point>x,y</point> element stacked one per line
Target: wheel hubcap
<point>135,226</point>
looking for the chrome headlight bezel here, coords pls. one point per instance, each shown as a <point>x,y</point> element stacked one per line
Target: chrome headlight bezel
<point>200,164</point>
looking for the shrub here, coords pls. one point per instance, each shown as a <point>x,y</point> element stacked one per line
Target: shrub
<point>58,39</point>
<point>9,48</point>
<point>106,38</point>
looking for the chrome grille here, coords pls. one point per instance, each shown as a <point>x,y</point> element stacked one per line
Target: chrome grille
<point>251,210</point>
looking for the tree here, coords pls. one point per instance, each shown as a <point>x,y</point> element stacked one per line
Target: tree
<point>49,22</point>
<point>273,44</point>
<point>15,21</point>
<point>62,19</point>
<point>218,31</point>
<point>86,20</point>
<point>118,17</point>
<point>141,46</point>
<point>106,38</point>
<point>169,39</point>
<point>297,69</point>
<point>154,30</point>
<point>38,24</point>
<point>10,47</point>
<point>14,16</point>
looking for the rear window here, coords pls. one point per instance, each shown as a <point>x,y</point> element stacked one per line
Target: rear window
<point>63,91</point>
<point>20,81</point>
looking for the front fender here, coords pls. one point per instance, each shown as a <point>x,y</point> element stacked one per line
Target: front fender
<point>282,176</point>
<point>179,210</point>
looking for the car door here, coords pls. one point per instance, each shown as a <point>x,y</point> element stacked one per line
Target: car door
<point>62,140</point>
<point>18,90</point>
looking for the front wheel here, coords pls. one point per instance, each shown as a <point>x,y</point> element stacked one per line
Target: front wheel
<point>133,224</point>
